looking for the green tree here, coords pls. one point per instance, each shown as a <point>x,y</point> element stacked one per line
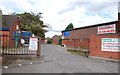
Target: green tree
<point>70,26</point>
<point>60,41</point>
<point>31,22</point>
<point>49,41</point>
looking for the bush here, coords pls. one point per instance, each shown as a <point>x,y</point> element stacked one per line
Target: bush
<point>60,41</point>
<point>49,41</point>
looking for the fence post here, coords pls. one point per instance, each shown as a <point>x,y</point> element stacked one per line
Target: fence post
<point>39,47</point>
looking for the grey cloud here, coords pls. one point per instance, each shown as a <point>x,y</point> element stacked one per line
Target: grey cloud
<point>89,6</point>
<point>72,6</point>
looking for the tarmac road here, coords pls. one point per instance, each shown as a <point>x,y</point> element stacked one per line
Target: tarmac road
<point>56,59</point>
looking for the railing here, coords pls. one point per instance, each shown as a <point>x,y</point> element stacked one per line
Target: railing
<point>11,45</point>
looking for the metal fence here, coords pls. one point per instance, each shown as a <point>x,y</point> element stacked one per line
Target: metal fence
<point>11,45</point>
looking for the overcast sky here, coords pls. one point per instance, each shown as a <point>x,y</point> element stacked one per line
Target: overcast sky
<point>59,13</point>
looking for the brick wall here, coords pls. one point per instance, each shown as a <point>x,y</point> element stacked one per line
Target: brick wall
<point>55,39</point>
<point>95,47</point>
<point>76,44</point>
<point>13,29</point>
<point>4,38</point>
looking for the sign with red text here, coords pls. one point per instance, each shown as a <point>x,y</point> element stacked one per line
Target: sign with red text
<point>110,44</point>
<point>107,29</point>
<point>33,44</point>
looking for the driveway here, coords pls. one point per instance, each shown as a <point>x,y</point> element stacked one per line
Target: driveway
<point>55,59</point>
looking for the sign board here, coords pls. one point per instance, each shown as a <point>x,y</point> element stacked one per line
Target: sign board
<point>107,29</point>
<point>66,33</point>
<point>110,44</point>
<point>33,44</point>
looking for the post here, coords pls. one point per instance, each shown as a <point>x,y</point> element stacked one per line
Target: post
<point>39,47</point>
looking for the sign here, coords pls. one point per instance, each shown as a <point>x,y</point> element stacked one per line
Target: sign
<point>111,44</point>
<point>33,44</point>
<point>66,33</point>
<point>107,29</point>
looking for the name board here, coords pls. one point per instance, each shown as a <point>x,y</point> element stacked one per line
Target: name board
<point>110,44</point>
<point>107,29</point>
<point>33,44</point>
<point>67,33</point>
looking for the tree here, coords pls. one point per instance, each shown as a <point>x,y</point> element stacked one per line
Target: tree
<point>60,41</point>
<point>70,26</point>
<point>31,22</point>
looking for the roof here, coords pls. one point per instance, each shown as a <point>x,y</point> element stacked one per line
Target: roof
<point>102,24</point>
<point>8,20</point>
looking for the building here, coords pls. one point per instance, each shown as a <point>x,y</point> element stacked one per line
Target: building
<point>10,28</point>
<point>55,39</point>
<point>100,39</point>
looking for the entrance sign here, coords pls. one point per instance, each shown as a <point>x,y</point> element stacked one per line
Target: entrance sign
<point>33,44</point>
<point>110,44</point>
<point>107,29</point>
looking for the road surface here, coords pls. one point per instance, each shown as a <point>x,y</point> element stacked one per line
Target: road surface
<point>56,59</point>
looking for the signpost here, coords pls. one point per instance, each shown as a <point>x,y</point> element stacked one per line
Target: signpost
<point>110,44</point>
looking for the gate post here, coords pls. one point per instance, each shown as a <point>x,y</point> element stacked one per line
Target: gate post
<point>39,47</point>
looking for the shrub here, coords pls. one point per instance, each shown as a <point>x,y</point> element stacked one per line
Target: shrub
<point>49,41</point>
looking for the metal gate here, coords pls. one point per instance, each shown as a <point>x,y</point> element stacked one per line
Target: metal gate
<point>11,45</point>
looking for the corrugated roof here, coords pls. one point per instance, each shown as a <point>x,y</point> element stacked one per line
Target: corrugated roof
<point>113,22</point>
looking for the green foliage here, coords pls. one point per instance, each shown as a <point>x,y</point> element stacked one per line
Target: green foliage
<point>49,41</point>
<point>4,23</point>
<point>60,41</point>
<point>31,22</point>
<point>70,26</point>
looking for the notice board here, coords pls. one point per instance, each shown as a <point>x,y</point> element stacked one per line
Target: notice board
<point>33,44</point>
<point>110,44</point>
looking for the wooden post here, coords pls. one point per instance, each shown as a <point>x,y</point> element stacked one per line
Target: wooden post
<point>39,47</point>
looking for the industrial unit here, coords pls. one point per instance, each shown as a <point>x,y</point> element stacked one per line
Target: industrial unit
<point>102,40</point>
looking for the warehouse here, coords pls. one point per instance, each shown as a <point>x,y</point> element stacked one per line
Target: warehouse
<point>100,39</point>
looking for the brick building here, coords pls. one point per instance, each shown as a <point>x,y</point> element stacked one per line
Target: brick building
<point>55,39</point>
<point>10,26</point>
<point>95,38</point>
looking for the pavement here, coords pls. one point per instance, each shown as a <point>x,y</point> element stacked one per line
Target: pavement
<point>55,59</point>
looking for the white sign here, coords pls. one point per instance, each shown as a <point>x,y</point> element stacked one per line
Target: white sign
<point>33,44</point>
<point>107,29</point>
<point>111,44</point>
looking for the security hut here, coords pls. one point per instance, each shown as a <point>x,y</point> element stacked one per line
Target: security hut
<point>102,40</point>
<point>9,30</point>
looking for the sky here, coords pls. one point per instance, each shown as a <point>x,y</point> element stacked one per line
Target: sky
<point>59,13</point>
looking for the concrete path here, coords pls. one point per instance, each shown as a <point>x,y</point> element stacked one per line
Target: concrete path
<point>56,59</point>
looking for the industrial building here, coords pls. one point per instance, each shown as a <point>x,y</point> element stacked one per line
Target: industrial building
<point>101,40</point>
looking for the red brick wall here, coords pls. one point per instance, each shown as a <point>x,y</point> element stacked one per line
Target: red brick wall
<point>4,38</point>
<point>10,42</point>
<point>55,39</point>
<point>76,44</point>
<point>13,29</point>
<point>95,47</point>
